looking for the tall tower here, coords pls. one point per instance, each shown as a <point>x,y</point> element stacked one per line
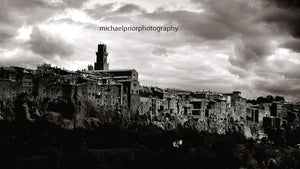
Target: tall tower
<point>101,62</point>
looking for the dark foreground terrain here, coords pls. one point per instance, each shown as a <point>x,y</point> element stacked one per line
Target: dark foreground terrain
<point>34,145</point>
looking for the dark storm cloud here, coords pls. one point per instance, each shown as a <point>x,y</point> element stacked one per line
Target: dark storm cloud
<point>288,20</point>
<point>128,8</point>
<point>253,31</point>
<point>225,20</point>
<point>250,51</point>
<point>7,17</point>
<point>251,46</point>
<point>280,87</point>
<point>8,25</point>
<point>293,45</point>
<point>292,73</point>
<point>48,46</point>
<point>6,33</point>
<point>73,4</point>
<point>23,3</point>
<point>285,3</point>
<point>282,78</point>
<point>198,24</point>
<point>100,11</point>
<point>229,17</point>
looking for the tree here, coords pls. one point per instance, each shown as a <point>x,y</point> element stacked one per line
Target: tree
<point>270,98</point>
<point>279,98</point>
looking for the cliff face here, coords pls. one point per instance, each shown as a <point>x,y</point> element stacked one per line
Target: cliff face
<point>31,143</point>
<point>79,113</point>
<point>67,114</point>
<point>7,110</point>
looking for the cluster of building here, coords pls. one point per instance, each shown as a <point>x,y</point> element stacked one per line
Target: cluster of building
<point>101,87</point>
<point>216,112</point>
<point>167,108</point>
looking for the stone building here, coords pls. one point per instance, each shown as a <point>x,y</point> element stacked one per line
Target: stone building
<point>6,91</point>
<point>101,59</point>
<point>130,84</point>
<point>14,80</point>
<point>128,78</point>
<point>101,95</point>
<point>216,116</point>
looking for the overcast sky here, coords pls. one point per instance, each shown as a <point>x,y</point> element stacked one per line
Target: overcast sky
<point>221,45</point>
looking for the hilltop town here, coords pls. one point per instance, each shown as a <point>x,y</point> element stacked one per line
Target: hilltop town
<point>85,95</point>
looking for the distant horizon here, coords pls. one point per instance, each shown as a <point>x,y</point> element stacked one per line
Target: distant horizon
<point>171,88</point>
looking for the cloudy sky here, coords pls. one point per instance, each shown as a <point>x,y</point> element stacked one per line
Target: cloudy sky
<point>221,45</point>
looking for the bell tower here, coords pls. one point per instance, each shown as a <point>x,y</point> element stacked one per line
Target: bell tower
<point>101,60</point>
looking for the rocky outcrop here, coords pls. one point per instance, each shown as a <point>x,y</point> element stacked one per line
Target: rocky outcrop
<point>67,114</point>
<point>7,110</point>
<point>194,123</point>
